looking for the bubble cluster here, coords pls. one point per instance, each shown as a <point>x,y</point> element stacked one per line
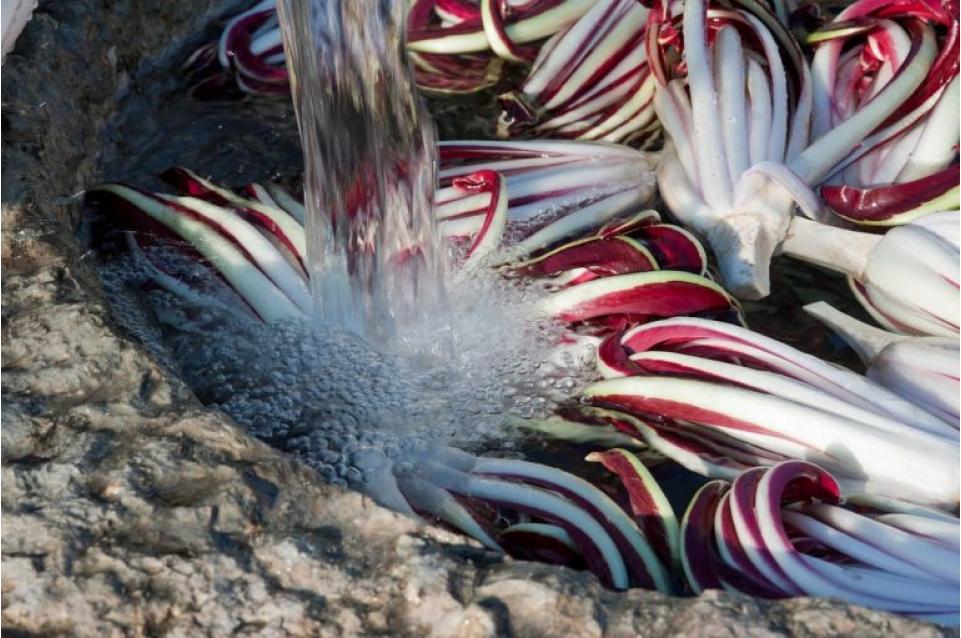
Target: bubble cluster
<point>348,408</point>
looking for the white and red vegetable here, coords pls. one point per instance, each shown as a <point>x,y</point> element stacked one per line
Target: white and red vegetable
<point>907,279</point>
<point>923,370</point>
<point>454,46</point>
<point>719,399</point>
<point>563,517</point>
<point>556,190</point>
<point>590,82</point>
<point>783,531</point>
<point>882,72</point>
<point>754,129</point>
<point>539,216</point>
<point>736,112</point>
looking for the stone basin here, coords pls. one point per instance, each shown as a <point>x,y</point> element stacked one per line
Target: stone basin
<point>130,509</point>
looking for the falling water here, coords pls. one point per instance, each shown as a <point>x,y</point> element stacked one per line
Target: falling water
<point>464,366</point>
<point>368,143</point>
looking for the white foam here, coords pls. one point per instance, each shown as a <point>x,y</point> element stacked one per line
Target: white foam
<point>342,406</point>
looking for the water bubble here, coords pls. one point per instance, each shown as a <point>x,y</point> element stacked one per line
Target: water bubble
<point>332,401</point>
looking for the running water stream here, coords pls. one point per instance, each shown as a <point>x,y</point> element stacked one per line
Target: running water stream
<point>402,357</point>
<point>374,260</point>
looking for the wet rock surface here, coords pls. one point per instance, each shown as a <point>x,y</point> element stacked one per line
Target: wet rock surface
<point>130,509</point>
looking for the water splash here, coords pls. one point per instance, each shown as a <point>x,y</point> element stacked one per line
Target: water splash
<point>373,255</point>
<point>394,365</point>
<point>326,397</point>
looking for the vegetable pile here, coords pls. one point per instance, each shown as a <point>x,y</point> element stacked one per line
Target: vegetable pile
<point>827,134</point>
